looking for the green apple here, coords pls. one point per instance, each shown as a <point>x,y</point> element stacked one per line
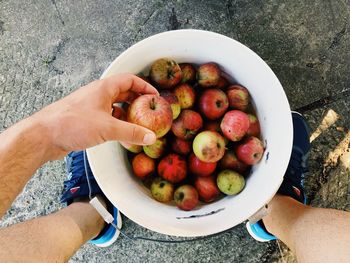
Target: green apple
<point>155,150</point>
<point>162,190</point>
<point>230,182</point>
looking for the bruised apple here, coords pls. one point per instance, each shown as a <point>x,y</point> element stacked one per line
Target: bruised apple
<point>209,146</point>
<point>165,73</point>
<point>186,197</point>
<point>162,190</point>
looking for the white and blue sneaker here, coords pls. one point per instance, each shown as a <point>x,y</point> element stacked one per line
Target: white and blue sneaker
<point>76,187</point>
<point>293,182</point>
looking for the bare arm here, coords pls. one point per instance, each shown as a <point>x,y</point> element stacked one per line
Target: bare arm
<point>23,149</point>
<point>81,120</point>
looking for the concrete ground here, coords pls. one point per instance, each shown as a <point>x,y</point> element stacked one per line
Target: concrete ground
<point>50,47</point>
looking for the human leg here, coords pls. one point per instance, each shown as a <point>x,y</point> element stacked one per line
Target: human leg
<point>313,234</point>
<point>52,238</point>
<point>56,237</point>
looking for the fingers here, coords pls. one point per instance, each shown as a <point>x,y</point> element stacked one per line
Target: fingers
<point>121,83</point>
<point>128,96</point>
<point>130,133</point>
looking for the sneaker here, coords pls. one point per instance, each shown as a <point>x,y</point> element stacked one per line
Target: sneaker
<point>293,181</point>
<point>77,187</point>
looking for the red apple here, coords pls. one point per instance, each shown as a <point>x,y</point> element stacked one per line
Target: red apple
<point>200,168</point>
<point>119,113</point>
<point>213,103</point>
<point>223,83</point>
<point>187,124</point>
<point>209,146</point>
<point>165,73</point>
<point>172,168</point>
<point>230,161</point>
<point>254,126</point>
<point>173,101</point>
<point>186,95</point>
<point>238,97</point>
<point>162,190</point>
<point>250,151</point>
<point>188,72</point>
<point>181,146</point>
<point>152,112</point>
<point>142,165</point>
<point>155,150</point>
<point>212,126</point>
<point>208,75</point>
<point>186,197</point>
<point>207,189</point>
<point>234,125</point>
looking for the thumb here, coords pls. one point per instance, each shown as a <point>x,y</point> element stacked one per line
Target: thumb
<point>131,133</point>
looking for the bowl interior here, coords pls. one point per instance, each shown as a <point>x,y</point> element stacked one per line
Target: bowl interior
<point>110,165</point>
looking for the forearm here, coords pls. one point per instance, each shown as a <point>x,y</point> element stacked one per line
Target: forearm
<point>23,149</point>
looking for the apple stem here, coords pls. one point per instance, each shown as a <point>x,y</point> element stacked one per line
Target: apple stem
<point>152,104</point>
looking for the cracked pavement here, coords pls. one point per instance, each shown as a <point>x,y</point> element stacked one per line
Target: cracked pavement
<point>48,48</point>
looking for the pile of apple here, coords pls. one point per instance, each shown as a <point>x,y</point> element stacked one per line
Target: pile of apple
<point>207,134</point>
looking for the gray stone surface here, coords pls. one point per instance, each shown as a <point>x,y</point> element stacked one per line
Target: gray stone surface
<point>49,48</point>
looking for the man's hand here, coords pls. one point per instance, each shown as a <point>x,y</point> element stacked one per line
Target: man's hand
<point>78,121</point>
<point>83,119</point>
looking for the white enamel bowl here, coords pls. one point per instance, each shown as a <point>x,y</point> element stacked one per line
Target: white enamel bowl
<point>112,170</point>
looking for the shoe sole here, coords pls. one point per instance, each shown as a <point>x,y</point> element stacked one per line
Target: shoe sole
<point>116,234</point>
<point>256,237</point>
